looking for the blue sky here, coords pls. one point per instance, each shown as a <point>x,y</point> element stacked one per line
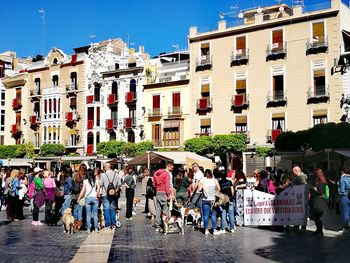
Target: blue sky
<point>156,24</point>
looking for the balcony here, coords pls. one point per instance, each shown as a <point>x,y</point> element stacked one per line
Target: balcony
<point>318,94</point>
<point>109,124</point>
<point>112,100</point>
<point>246,133</point>
<point>278,99</point>
<point>72,117</point>
<point>272,135</point>
<point>89,149</point>
<point>16,104</point>
<point>130,97</point>
<point>316,46</point>
<point>204,63</point>
<point>276,51</point>
<point>240,102</point>
<point>90,99</point>
<point>72,89</point>
<point>34,122</point>
<point>35,94</point>
<point>72,143</point>
<point>175,111</point>
<point>153,113</point>
<point>129,123</point>
<point>240,57</point>
<point>16,130</point>
<point>90,124</point>
<point>204,105</point>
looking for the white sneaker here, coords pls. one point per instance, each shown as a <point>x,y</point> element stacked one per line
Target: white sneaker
<point>222,231</point>
<point>216,232</point>
<point>206,232</point>
<point>202,224</point>
<point>232,231</point>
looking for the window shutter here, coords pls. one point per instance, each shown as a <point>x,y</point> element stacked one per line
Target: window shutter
<point>176,99</point>
<point>156,101</point>
<point>240,43</point>
<point>277,37</point>
<point>241,84</point>
<point>318,31</point>
<point>241,119</point>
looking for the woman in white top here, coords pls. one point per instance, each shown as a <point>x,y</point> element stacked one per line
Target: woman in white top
<point>91,192</point>
<point>209,185</point>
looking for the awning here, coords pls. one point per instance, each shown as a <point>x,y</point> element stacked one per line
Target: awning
<point>171,124</point>
<point>154,158</point>
<point>17,162</point>
<point>277,115</point>
<point>241,119</point>
<point>319,113</point>
<point>345,153</point>
<point>205,122</point>
<point>73,131</point>
<point>204,88</point>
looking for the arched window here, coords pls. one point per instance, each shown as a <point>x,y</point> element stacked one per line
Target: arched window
<point>49,133</point>
<point>54,107</point>
<point>58,134</point>
<point>45,109</point>
<point>90,138</point>
<point>115,89</point>
<point>50,108</point>
<point>131,136</point>
<point>97,138</point>
<point>59,108</point>
<point>54,134</point>
<point>55,61</point>
<point>133,86</point>
<point>112,136</point>
<point>97,91</point>
<point>45,134</point>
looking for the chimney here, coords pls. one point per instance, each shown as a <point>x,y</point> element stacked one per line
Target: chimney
<point>193,31</point>
<point>298,10</point>
<point>221,25</point>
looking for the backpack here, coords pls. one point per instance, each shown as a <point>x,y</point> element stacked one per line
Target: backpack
<point>76,187</point>
<point>221,200</point>
<point>31,191</point>
<point>111,189</point>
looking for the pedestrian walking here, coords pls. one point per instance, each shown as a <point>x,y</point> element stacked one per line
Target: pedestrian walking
<point>130,186</point>
<point>344,194</point>
<point>226,187</point>
<point>67,188</point>
<point>50,186</point>
<point>39,198</point>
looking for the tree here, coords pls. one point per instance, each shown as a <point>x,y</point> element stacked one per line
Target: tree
<point>111,149</point>
<point>8,151</point>
<point>202,145</point>
<point>130,149</point>
<point>50,150</point>
<point>263,151</point>
<point>25,150</point>
<point>224,144</point>
<point>143,147</point>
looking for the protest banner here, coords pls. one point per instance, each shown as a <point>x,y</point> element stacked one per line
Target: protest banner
<point>287,208</point>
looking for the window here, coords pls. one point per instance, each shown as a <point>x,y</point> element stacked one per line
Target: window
<point>37,86</point>
<point>115,89</point>
<point>241,124</point>
<point>90,138</point>
<point>205,90</point>
<point>54,108</point>
<point>55,80</point>
<point>132,115</point>
<point>319,82</point>
<point>45,134</point>
<point>171,135</point>
<point>156,135</point>
<point>2,69</point>
<point>205,52</point>
<point>19,95</point>
<point>205,127</point>
<point>318,32</point>
<point>278,122</point>
<point>50,108</point>
<point>97,92</point>
<point>241,49</point>
<point>112,136</point>
<point>278,87</point>
<point>241,86</point>
<point>36,140</point>
<point>2,98</point>
<point>2,121</point>
<point>98,113</point>
<point>277,39</point>
<point>2,139</point>
<point>131,136</point>
<point>73,80</point>
<point>55,61</point>
<point>114,116</point>
<point>319,117</point>
<point>97,137</point>
<point>156,104</point>
<point>176,102</point>
<point>54,134</point>
<point>90,114</point>
<point>133,86</point>
<point>116,66</point>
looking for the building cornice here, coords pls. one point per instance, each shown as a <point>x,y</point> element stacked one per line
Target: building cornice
<point>251,28</point>
<point>166,84</point>
<point>118,72</point>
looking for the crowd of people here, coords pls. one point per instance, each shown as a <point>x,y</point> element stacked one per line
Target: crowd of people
<point>90,193</point>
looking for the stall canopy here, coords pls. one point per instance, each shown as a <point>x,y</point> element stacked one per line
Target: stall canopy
<point>17,162</point>
<point>181,158</point>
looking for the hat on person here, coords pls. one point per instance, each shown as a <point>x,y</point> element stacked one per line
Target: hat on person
<point>37,169</point>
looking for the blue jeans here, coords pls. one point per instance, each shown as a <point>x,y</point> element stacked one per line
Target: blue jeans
<point>109,210</point>
<point>230,211</point>
<point>66,203</point>
<point>91,206</point>
<point>345,209</point>
<point>206,207</point>
<point>78,212</point>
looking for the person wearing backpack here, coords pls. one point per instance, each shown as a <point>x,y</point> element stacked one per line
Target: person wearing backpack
<point>344,194</point>
<point>130,186</point>
<point>110,184</point>
<point>226,187</point>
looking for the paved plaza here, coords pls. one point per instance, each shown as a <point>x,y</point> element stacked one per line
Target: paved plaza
<point>137,241</point>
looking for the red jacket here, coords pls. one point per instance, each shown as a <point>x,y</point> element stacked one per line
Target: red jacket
<point>161,181</point>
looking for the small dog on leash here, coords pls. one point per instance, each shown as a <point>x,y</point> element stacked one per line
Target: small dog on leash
<point>171,221</point>
<point>101,218</point>
<point>135,201</point>
<point>68,221</point>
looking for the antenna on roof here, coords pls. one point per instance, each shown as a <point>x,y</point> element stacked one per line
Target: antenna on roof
<point>176,46</point>
<point>43,38</point>
<point>278,1</point>
<point>297,3</point>
<point>232,14</point>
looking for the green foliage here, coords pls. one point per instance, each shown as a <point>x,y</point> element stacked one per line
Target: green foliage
<point>8,151</point>
<point>202,145</point>
<point>130,149</point>
<point>217,145</point>
<point>318,138</point>
<point>163,150</point>
<point>25,150</point>
<point>263,151</point>
<point>49,150</point>
<point>111,149</point>
<point>143,147</point>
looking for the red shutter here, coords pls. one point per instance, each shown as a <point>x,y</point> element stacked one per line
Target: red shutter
<point>275,134</point>
<point>156,102</point>
<point>176,100</point>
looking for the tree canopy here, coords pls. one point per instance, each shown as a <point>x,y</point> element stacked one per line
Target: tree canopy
<point>48,150</point>
<point>113,149</point>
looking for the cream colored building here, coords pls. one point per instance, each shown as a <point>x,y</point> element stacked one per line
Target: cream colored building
<point>167,100</point>
<point>269,73</point>
<point>46,102</point>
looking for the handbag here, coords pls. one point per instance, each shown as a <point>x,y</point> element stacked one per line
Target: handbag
<point>82,201</point>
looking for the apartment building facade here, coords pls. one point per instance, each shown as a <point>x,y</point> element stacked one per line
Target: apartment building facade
<point>47,102</point>
<point>269,73</point>
<point>167,100</point>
